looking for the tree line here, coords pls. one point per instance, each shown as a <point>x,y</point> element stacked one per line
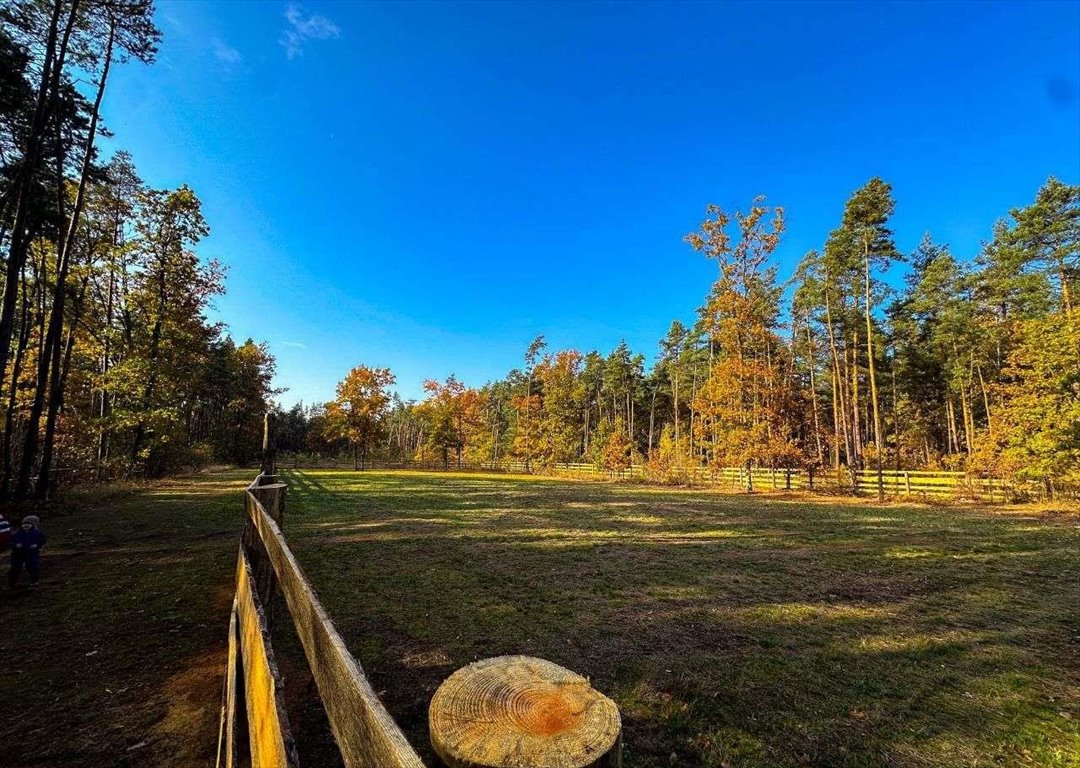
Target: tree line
<point>971,364</point>
<point>109,365</point>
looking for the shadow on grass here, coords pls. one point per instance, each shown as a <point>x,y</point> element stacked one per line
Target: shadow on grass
<point>117,658</point>
<point>731,630</point>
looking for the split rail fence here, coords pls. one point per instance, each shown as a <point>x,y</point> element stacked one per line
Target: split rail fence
<point>254,728</point>
<point>917,484</point>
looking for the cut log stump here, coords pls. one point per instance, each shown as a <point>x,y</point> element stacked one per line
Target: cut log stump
<point>521,712</point>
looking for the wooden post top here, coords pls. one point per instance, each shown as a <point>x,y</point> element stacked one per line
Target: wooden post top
<point>523,712</point>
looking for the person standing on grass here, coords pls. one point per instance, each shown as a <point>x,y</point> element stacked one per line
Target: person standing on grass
<point>26,546</point>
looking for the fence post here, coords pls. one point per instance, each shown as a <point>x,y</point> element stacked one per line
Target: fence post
<point>271,495</point>
<point>810,476</point>
<point>269,444</point>
<point>907,483</point>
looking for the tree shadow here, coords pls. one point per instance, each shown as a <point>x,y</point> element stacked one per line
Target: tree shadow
<point>730,630</point>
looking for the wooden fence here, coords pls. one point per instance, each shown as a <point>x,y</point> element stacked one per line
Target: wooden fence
<point>934,484</point>
<point>918,484</point>
<point>254,727</point>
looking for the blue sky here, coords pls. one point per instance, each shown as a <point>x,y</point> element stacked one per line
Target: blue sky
<point>428,186</point>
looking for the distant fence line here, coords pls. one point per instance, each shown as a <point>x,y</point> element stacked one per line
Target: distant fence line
<point>928,484</point>
<point>254,728</point>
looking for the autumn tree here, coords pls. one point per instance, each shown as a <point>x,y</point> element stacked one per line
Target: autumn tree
<point>748,410</point>
<point>617,451</point>
<point>455,417</point>
<point>358,411</point>
<point>559,436</point>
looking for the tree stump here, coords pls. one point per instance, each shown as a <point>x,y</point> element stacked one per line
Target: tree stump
<point>521,712</point>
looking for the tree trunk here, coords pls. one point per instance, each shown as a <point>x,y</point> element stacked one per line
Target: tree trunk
<point>856,425</point>
<point>56,399</point>
<point>954,438</point>
<point>16,369</point>
<point>675,408</point>
<point>652,418</point>
<point>873,378</point>
<point>512,711</point>
<point>840,429</point>
<point>986,402</point>
<point>814,397</point>
<point>28,167</point>
<point>965,411</point>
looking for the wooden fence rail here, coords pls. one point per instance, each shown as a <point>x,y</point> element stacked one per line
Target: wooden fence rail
<point>366,734</point>
<point>922,484</point>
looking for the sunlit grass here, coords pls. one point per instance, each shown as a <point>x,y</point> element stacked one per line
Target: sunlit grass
<point>731,630</point>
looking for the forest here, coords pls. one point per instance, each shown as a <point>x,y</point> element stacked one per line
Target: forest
<point>110,366</point>
<point>972,364</point>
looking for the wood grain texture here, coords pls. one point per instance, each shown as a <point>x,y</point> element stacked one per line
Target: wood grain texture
<point>366,734</point>
<point>226,757</point>
<point>522,712</point>
<point>271,742</point>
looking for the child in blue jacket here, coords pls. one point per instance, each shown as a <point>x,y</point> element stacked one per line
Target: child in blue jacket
<point>26,546</point>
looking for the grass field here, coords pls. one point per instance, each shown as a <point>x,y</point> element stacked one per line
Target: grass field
<point>731,630</point>
<point>116,659</point>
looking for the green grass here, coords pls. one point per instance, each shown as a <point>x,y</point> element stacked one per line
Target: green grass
<point>116,659</point>
<point>730,630</point>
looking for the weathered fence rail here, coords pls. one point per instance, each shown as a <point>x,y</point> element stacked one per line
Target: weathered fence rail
<point>254,725</point>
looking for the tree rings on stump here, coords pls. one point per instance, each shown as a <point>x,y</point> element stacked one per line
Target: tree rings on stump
<point>521,712</point>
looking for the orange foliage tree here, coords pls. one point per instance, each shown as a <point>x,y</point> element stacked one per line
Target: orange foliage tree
<point>357,412</point>
<point>748,406</point>
<point>455,416</point>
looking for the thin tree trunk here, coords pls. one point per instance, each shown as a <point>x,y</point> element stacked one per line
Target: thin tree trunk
<point>652,418</point>
<point>675,408</point>
<point>950,412</point>
<point>986,402</point>
<point>840,426</point>
<point>856,417</point>
<point>16,369</point>
<point>965,410</point>
<point>104,405</point>
<point>47,98</point>
<point>814,397</point>
<point>58,373</point>
<point>873,378</point>
<point>56,399</point>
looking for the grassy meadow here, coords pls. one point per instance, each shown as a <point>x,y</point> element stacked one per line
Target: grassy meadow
<point>730,630</point>
<point>116,659</point>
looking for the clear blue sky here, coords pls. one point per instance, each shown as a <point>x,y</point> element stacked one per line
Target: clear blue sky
<point>428,186</point>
